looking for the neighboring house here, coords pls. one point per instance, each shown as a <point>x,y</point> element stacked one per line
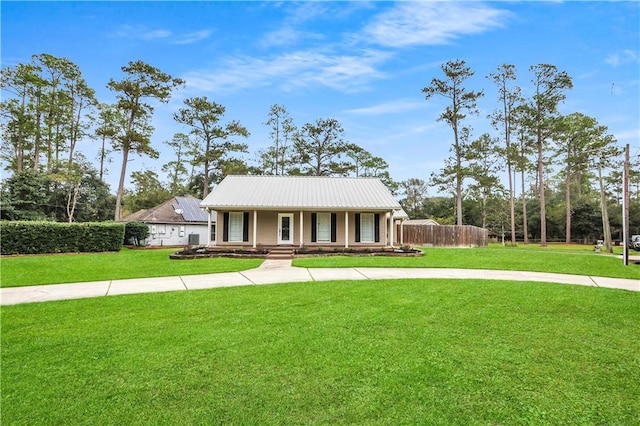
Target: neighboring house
<point>176,222</point>
<point>302,211</point>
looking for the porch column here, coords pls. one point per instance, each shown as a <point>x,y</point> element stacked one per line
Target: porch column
<point>215,239</point>
<point>255,227</point>
<point>402,232</point>
<point>208,227</point>
<point>391,243</point>
<point>346,229</point>
<point>301,229</point>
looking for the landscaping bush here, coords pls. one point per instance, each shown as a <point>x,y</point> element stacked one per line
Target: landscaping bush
<point>135,232</point>
<point>26,237</point>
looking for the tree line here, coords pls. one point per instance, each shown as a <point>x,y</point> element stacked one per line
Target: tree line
<point>566,168</point>
<point>50,108</point>
<point>570,160</point>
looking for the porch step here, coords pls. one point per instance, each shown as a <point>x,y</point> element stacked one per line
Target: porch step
<point>280,253</point>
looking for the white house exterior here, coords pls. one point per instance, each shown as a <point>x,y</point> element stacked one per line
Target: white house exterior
<point>177,222</point>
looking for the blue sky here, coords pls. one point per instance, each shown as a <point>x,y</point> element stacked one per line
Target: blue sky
<point>362,63</point>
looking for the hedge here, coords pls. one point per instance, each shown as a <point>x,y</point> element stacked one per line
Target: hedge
<point>27,237</point>
<point>135,232</point>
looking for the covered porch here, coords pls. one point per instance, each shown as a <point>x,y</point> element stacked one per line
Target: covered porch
<point>302,228</point>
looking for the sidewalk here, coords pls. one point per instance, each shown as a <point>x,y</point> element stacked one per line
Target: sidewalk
<point>281,271</point>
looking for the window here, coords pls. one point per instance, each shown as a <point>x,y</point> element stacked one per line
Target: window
<point>324,228</point>
<point>213,232</point>
<point>162,228</point>
<point>235,227</point>
<point>367,230</point>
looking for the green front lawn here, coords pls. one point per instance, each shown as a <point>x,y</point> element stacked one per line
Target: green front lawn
<point>68,268</point>
<point>579,260</point>
<point>377,352</point>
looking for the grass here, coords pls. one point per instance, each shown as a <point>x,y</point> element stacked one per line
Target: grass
<point>441,352</point>
<point>67,268</point>
<point>573,259</point>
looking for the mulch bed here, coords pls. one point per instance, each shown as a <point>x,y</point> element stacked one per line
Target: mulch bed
<point>207,252</point>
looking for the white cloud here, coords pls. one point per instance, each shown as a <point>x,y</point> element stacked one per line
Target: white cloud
<point>287,36</point>
<point>627,135</point>
<point>141,32</point>
<point>154,34</point>
<point>301,69</point>
<point>429,23</point>
<point>394,107</point>
<point>307,11</point>
<point>192,37</point>
<point>623,57</point>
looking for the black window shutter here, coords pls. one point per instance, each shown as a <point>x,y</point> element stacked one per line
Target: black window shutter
<point>334,236</point>
<point>245,227</point>
<point>357,215</point>
<point>314,221</point>
<point>225,226</point>
<point>376,224</point>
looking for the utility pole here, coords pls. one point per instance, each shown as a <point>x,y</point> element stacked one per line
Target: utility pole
<point>625,208</point>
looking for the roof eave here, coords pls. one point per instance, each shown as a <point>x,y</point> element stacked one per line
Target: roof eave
<point>303,208</point>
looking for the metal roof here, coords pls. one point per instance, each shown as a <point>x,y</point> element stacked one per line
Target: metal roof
<point>421,222</point>
<point>300,192</point>
<point>401,214</point>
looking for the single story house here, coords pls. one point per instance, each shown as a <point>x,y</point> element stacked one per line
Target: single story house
<point>178,221</point>
<point>300,211</point>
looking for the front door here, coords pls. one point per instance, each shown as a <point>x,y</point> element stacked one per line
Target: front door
<point>285,228</point>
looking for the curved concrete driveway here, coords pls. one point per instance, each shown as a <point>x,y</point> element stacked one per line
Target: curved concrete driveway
<point>281,271</point>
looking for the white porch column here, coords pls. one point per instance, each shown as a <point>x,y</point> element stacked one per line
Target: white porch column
<point>402,232</point>
<point>391,236</point>
<point>255,227</point>
<point>215,239</point>
<point>208,227</point>
<point>346,229</point>
<point>301,229</point>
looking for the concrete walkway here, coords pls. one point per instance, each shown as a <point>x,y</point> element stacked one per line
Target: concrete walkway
<point>281,271</point>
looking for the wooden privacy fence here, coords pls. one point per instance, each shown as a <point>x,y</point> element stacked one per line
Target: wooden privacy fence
<point>442,235</point>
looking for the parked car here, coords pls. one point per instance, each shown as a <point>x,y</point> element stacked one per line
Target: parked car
<point>634,242</point>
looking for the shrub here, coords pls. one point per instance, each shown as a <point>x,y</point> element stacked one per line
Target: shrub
<point>135,232</point>
<point>26,237</point>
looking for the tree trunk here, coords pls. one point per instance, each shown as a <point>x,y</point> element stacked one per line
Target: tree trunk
<point>119,193</point>
<point>512,204</point>
<point>525,228</point>
<point>458,176</point>
<point>484,211</point>
<point>102,157</point>
<point>606,228</point>
<point>205,185</point>
<point>72,201</point>
<point>543,207</point>
<point>567,199</point>
<point>38,138</point>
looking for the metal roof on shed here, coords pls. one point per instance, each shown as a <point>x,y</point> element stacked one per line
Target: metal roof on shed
<point>300,192</point>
